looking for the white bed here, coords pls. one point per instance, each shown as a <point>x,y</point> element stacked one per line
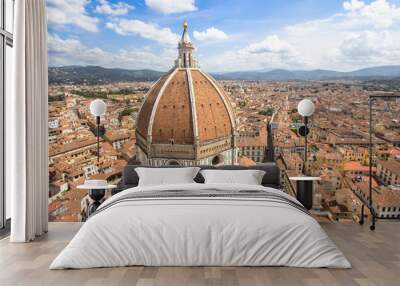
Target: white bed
<point>207,230</point>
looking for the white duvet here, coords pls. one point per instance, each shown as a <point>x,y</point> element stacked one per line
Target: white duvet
<point>200,231</point>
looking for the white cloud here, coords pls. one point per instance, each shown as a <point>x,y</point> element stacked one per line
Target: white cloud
<point>271,44</point>
<point>65,49</point>
<point>364,34</point>
<point>370,48</point>
<point>71,51</point>
<point>379,13</point>
<point>172,6</point>
<point>120,8</point>
<point>211,34</point>
<point>272,52</point>
<point>353,5</point>
<point>145,30</point>
<point>71,12</point>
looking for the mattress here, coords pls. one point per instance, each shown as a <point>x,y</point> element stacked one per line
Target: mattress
<point>201,225</point>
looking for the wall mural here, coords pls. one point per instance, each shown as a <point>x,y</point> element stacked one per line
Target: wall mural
<point>163,108</point>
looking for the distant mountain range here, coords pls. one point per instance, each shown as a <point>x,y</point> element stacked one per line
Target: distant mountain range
<point>381,72</point>
<point>97,75</point>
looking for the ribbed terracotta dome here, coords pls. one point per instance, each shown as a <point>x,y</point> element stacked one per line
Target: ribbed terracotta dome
<point>185,104</point>
<point>186,116</point>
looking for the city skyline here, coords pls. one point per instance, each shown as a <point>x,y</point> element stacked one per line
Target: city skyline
<point>302,34</point>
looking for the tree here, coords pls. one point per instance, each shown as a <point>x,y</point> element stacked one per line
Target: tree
<point>268,111</point>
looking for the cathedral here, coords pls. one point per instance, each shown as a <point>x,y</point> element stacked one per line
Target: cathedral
<point>186,118</point>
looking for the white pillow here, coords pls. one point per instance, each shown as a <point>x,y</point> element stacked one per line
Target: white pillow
<point>166,176</point>
<point>248,177</point>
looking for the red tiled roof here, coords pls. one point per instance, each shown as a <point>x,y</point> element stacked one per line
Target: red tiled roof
<point>245,161</point>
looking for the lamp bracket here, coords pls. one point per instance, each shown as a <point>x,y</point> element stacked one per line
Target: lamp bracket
<point>303,130</point>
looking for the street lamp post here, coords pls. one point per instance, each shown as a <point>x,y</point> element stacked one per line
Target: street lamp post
<point>98,108</point>
<point>306,109</point>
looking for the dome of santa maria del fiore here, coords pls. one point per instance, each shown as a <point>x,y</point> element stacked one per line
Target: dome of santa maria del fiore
<point>186,118</point>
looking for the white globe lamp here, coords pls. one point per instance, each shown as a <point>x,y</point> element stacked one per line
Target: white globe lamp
<point>98,107</point>
<point>306,108</point>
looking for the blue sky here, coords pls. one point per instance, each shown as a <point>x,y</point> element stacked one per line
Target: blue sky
<point>229,35</point>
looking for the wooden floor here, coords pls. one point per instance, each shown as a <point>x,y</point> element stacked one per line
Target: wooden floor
<point>375,257</point>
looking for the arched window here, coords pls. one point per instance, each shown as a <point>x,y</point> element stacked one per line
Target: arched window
<point>173,163</point>
<point>217,160</point>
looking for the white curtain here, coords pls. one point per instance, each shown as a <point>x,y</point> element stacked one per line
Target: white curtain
<point>26,124</point>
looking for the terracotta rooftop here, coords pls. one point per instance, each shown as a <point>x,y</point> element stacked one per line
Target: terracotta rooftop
<point>356,166</point>
<point>60,149</point>
<point>388,197</point>
<point>382,196</point>
<point>245,161</point>
<point>257,141</point>
<point>115,136</point>
<point>392,166</point>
